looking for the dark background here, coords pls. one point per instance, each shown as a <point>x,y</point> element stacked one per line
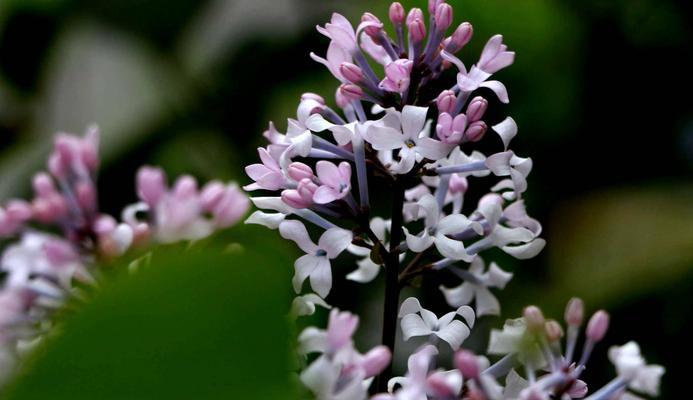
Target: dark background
<point>600,91</point>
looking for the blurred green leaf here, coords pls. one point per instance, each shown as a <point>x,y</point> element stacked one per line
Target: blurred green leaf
<point>195,324</point>
<point>620,243</point>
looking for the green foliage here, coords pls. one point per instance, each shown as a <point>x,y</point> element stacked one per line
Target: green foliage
<point>203,323</point>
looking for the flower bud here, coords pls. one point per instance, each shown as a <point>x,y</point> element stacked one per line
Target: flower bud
<point>350,91</point>
<point>433,5</point>
<point>313,96</point>
<point>151,184</point>
<point>89,149</point>
<point>438,387</point>
<point>185,187</point>
<point>375,25</point>
<point>298,171</point>
<point>212,195</point>
<point>351,72</point>
<point>534,318</point>
<point>340,328</point>
<point>86,195</point>
<point>417,30</point>
<point>104,224</point>
<point>574,312</point>
<point>306,189</point>
<point>43,184</point>
<point>376,360</point>
<point>443,16</point>
<point>553,330</point>
<point>457,184</point>
<point>396,13</point>
<point>467,364</point>
<point>294,199</point>
<point>597,326</point>
<point>18,210</point>
<point>461,36</point>
<point>340,99</point>
<point>397,76</point>
<point>414,14</point>
<point>446,101</point>
<point>476,131</point>
<point>59,252</point>
<point>476,109</point>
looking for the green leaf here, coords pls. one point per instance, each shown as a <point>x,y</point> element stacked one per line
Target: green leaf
<point>201,323</point>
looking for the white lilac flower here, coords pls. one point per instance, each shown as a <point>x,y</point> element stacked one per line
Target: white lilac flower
<point>411,139</point>
<point>437,229</point>
<point>631,367</point>
<point>475,287</point>
<point>417,321</point>
<point>305,305</point>
<point>367,269</point>
<point>315,264</point>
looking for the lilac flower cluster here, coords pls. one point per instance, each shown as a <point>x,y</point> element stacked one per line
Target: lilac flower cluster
<point>54,242</point>
<point>394,135</point>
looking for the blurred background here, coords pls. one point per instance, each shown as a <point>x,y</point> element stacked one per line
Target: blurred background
<point>600,91</point>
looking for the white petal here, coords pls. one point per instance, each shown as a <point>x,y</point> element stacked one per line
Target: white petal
<point>413,120</point>
<point>366,272</point>
<point>486,303</point>
<point>459,295</point>
<point>269,220</point>
<point>526,251</point>
<point>305,305</point>
<point>452,248</point>
<point>295,230</point>
<point>334,241</point>
<point>272,203</point>
<point>454,334</point>
<point>467,313</point>
<point>384,138</point>
<point>412,325</point>
<point>429,205</point>
<point>457,223</point>
<point>321,277</point>
<point>312,340</point>
<point>418,244</point>
<point>507,130</point>
<point>499,163</point>
<point>432,149</point>
<point>499,89</point>
<point>320,377</point>
<point>497,277</point>
<point>409,306</point>
<point>304,266</point>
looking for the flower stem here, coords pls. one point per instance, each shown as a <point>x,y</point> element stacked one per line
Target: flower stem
<point>392,282</point>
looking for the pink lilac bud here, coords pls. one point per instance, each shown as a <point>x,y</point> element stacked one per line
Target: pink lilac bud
<point>104,225</point>
<point>597,326</point>
<point>313,96</point>
<point>232,206</point>
<point>340,327</point>
<point>467,364</point>
<point>341,100</point>
<point>86,195</point>
<point>451,130</point>
<point>534,318</point>
<point>185,187</point>
<point>306,188</point>
<point>417,30</point>
<point>292,198</point>
<point>350,91</point>
<point>446,101</point>
<point>211,195</point>
<point>43,184</point>
<point>438,387</point>
<point>574,312</point>
<point>59,252</point>
<point>375,361</point>
<point>89,149</point>
<point>443,16</point>
<point>18,210</point>
<point>553,331</point>
<point>351,72</point>
<point>578,390</point>
<point>476,109</point>
<point>396,13</point>
<point>458,184</point>
<point>298,171</point>
<point>476,131</point>
<point>433,5</point>
<point>397,76</point>
<point>414,14</point>
<point>48,209</point>
<point>151,185</point>
<point>461,36</point>
<point>56,166</point>
<point>376,26</point>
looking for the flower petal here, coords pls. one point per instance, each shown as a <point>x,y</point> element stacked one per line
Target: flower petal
<point>459,295</point>
<point>321,277</point>
<point>507,129</point>
<point>412,325</point>
<point>413,120</point>
<point>455,333</point>
<point>269,220</point>
<point>384,138</point>
<point>418,244</point>
<point>499,89</point>
<point>334,241</point>
<point>296,231</point>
